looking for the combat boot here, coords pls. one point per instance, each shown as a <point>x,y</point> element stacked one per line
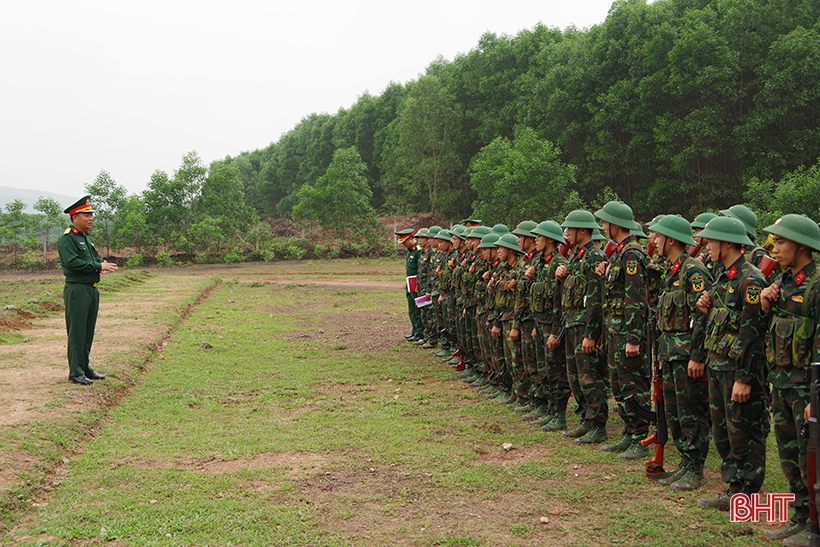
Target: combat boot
<point>620,446</point>
<point>721,502</point>
<point>545,419</point>
<point>453,361</point>
<point>800,539</point>
<point>596,434</point>
<point>505,398</point>
<point>429,345</point>
<point>442,352</point>
<point>787,532</point>
<point>581,430</point>
<point>691,480</point>
<point>668,477</point>
<point>523,407</point>
<point>635,451</point>
<point>558,423</point>
<point>535,413</point>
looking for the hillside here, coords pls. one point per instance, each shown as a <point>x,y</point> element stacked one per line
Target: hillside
<point>29,197</point>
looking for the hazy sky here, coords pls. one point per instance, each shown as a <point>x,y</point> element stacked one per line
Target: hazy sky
<point>130,87</point>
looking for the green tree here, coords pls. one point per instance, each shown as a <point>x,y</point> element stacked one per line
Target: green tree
<point>51,217</point>
<point>340,199</point>
<point>20,228</point>
<point>131,228</point>
<point>106,197</point>
<point>520,179</point>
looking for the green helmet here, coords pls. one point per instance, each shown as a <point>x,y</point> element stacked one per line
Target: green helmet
<point>580,219</point>
<point>619,214</point>
<point>744,215</point>
<point>488,241</point>
<point>434,230</point>
<point>798,228</point>
<point>478,232</point>
<point>701,220</point>
<point>675,227</point>
<point>501,229</point>
<point>597,235</point>
<point>525,228</point>
<point>457,230</point>
<point>510,242</point>
<point>471,222</point>
<point>444,235</point>
<point>638,232</point>
<point>550,229</point>
<point>726,229</point>
<point>424,232</point>
<point>654,221</point>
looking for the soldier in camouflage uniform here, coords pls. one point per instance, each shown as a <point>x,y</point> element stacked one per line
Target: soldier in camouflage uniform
<point>581,310</point>
<point>506,324</point>
<point>491,384</point>
<point>524,377</point>
<point>697,227</point>
<point>754,253</point>
<point>469,282</point>
<point>504,381</point>
<point>431,333</point>
<point>550,390</point>
<point>457,302</point>
<point>792,343</point>
<point>441,286</point>
<point>734,341</point>
<point>626,310</point>
<point>680,349</point>
<point>423,240</point>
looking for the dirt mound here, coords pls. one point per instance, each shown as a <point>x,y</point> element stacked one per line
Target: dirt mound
<point>13,323</point>
<point>50,306</point>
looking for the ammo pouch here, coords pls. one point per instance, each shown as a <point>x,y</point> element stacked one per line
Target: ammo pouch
<point>538,295</point>
<point>789,340</point>
<point>575,289</point>
<point>722,333</point>
<point>673,312</point>
<point>504,299</point>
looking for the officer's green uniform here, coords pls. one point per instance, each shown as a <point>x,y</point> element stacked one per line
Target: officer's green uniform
<point>411,268</point>
<point>792,344</point>
<point>81,265</point>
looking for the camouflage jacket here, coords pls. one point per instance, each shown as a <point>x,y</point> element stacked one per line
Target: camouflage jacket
<point>489,293</point>
<point>458,273</point>
<point>545,292</point>
<point>735,330</point>
<point>626,298</point>
<point>583,291</point>
<point>445,276</point>
<point>681,324</point>
<point>522,287</point>
<point>424,270</point>
<point>434,272</point>
<point>793,340</point>
<point>468,281</point>
<point>505,291</point>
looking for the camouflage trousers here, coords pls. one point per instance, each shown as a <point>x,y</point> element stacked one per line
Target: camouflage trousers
<point>512,359</point>
<point>523,367</point>
<point>428,319</point>
<point>586,373</point>
<point>787,409</point>
<point>628,376</point>
<point>687,412</point>
<point>483,334</point>
<point>739,432</point>
<point>499,365</point>
<point>552,384</point>
<point>471,337</point>
<point>445,317</point>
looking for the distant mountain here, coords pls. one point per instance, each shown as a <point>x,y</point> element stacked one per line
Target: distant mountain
<point>29,197</point>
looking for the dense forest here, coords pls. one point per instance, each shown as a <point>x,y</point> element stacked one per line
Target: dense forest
<point>678,106</point>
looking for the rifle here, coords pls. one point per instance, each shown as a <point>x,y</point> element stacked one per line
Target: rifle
<point>658,417</point>
<point>812,431</point>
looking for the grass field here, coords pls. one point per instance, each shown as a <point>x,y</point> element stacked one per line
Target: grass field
<point>279,405</point>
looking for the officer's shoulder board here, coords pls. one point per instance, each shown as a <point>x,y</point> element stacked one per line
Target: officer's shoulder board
<point>67,231</point>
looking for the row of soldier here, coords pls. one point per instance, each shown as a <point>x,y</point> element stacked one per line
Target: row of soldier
<point>582,309</point>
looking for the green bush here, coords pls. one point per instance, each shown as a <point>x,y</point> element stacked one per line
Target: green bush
<point>134,260</point>
<point>164,259</point>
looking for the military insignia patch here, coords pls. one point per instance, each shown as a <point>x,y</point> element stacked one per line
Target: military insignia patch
<point>798,298</point>
<point>698,283</point>
<point>631,267</point>
<point>753,294</point>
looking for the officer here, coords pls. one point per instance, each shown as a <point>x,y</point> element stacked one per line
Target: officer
<point>581,309</point>
<point>734,342</point>
<point>82,267</point>
<point>793,304</point>
<point>411,270</point>
<point>680,350</point>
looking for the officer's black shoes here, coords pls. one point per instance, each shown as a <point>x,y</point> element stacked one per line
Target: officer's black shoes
<point>94,376</point>
<point>409,336</point>
<point>82,380</point>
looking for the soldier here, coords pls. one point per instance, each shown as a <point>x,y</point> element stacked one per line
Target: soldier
<point>442,286</point>
<point>423,238</point>
<point>793,304</point>
<point>680,350</point>
<point>626,311</point>
<point>431,331</point>
<point>524,377</point>
<point>411,270</point>
<point>734,342</point>
<point>491,385</point>
<point>581,309</point>
<point>469,281</point>
<point>550,390</point>
<point>754,252</point>
<point>506,324</point>
<point>82,267</point>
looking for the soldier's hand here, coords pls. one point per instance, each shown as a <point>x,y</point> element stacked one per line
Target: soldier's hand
<point>463,313</point>
<point>561,272</point>
<point>702,257</point>
<point>491,283</point>
<point>807,413</point>
<point>108,267</point>
<point>632,350</point>
<point>496,332</point>
<point>530,273</point>
<point>704,302</point>
<point>741,392</point>
<point>463,262</point>
<point>600,268</point>
<point>486,275</point>
<point>695,369</point>
<point>515,334</point>
<point>472,268</point>
<point>552,342</point>
<point>429,296</point>
<point>440,299</point>
<point>588,345</point>
<point>767,296</point>
<point>511,284</point>
<point>534,334</point>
